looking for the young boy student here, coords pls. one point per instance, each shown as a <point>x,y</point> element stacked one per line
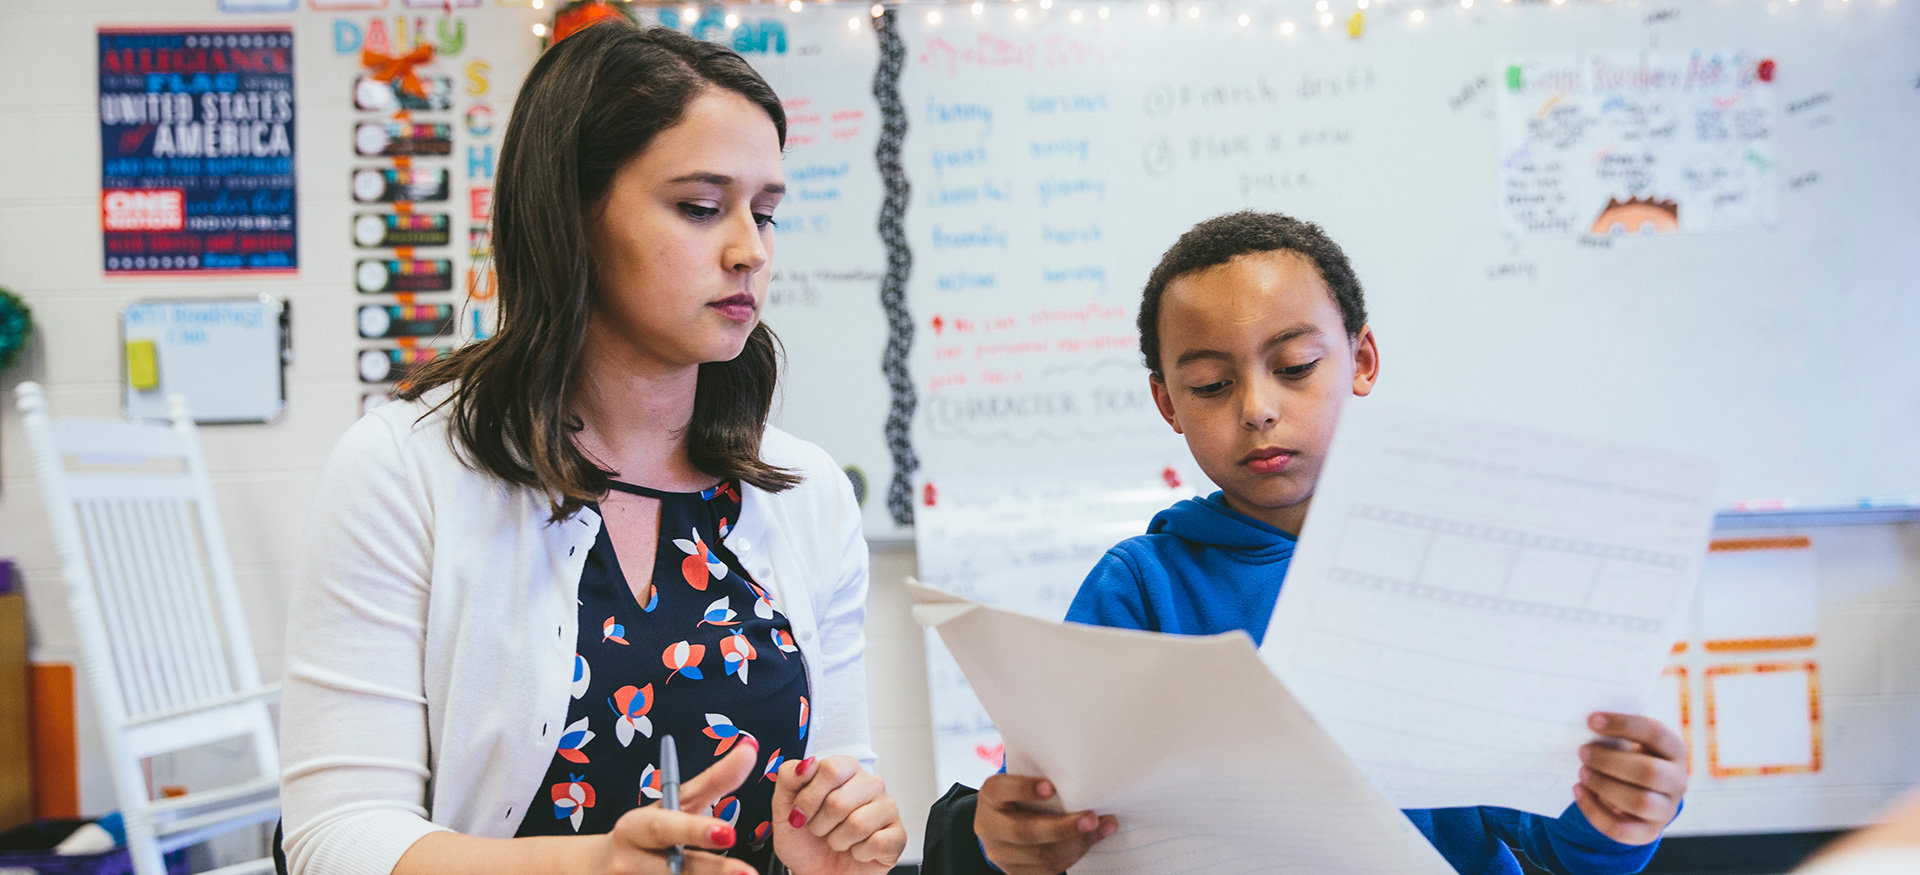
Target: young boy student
<point>1255,332</point>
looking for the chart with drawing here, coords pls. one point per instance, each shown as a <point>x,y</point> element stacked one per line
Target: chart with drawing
<point>1631,143</point>
<point>1465,594</point>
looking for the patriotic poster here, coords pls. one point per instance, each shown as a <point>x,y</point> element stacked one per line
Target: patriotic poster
<point>196,151</point>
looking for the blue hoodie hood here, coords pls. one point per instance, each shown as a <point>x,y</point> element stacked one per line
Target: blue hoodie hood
<point>1209,521</point>
<point>1202,568</point>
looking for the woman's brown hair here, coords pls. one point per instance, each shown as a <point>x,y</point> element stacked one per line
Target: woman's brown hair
<point>591,103</point>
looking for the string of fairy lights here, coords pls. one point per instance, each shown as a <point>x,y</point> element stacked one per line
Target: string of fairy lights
<point>1350,16</point>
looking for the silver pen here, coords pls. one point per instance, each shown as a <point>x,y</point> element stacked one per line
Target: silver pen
<point>670,792</point>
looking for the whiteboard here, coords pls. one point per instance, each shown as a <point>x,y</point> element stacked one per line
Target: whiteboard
<point>228,357</point>
<point>1778,345</point>
<point>823,299</point>
<point>1053,161</point>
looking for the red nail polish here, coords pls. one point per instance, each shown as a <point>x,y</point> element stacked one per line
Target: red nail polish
<point>805,766</point>
<point>721,836</point>
<point>796,819</point>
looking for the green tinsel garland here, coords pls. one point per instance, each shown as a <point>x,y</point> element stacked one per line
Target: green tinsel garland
<point>16,323</point>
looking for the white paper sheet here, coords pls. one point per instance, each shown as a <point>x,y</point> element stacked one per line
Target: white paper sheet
<point>1202,756</point>
<point>1465,594</point>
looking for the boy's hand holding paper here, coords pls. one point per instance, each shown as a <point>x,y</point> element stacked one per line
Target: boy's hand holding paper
<point>1038,838</point>
<point>1633,777</point>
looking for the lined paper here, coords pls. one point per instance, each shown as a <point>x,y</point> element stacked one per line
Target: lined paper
<point>1465,594</point>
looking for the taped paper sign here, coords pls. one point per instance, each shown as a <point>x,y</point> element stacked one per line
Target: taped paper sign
<point>1625,143</point>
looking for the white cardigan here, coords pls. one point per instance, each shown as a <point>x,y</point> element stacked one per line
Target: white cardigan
<point>431,635</point>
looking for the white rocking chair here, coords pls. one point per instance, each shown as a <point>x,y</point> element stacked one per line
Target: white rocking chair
<point>163,640</point>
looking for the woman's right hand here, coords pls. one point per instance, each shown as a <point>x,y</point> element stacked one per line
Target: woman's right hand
<point>640,839</point>
<point>1022,838</point>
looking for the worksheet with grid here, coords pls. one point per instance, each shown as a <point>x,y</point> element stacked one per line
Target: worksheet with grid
<point>1466,593</point>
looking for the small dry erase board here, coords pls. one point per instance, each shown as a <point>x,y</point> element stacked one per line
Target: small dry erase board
<point>228,356</point>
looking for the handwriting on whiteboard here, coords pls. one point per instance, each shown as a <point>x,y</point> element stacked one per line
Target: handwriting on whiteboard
<point>991,51</point>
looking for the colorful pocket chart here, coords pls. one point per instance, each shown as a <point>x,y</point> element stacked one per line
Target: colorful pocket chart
<point>372,94</point>
<point>386,230</point>
<point>396,138</point>
<point>382,321</point>
<point>380,276</point>
<point>375,185</point>
<point>388,365</point>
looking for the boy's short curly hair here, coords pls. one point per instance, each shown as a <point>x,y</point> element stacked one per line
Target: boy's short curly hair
<point>1220,239</point>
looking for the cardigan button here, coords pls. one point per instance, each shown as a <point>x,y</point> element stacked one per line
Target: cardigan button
<point>806,635</point>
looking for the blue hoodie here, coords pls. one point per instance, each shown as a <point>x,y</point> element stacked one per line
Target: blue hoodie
<point>1203,569</point>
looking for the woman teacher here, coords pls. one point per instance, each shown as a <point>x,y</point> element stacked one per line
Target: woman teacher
<point>580,535</point>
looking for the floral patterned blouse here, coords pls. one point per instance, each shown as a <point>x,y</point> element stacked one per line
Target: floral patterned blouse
<point>708,659</point>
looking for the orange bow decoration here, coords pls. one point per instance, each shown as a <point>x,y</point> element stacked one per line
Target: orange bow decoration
<point>387,68</point>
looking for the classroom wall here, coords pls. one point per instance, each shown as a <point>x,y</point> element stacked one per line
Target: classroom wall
<point>267,502</point>
<point>264,475</point>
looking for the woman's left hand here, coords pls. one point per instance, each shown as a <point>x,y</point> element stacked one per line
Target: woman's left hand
<point>833,817</point>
